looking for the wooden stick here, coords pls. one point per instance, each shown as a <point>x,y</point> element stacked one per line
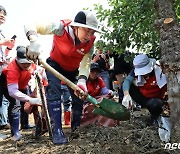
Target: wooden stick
<point>58,75</point>
<point>44,105</point>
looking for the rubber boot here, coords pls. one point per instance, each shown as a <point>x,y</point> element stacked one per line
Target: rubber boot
<point>75,123</point>
<point>67,118</point>
<point>14,122</point>
<point>154,121</point>
<point>58,136</point>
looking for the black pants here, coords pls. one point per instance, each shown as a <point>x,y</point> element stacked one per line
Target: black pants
<point>154,105</point>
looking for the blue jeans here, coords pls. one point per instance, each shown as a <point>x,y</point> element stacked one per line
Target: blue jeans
<point>106,78</point>
<point>66,98</point>
<point>14,105</point>
<point>54,91</point>
<point>3,112</point>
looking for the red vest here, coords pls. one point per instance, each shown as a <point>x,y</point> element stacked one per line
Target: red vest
<point>14,75</point>
<point>94,87</point>
<point>151,90</point>
<point>66,53</point>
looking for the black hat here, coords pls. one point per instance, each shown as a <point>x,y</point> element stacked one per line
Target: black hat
<point>95,66</point>
<point>3,9</point>
<point>21,55</point>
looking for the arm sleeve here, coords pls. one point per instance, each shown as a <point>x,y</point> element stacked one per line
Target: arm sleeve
<point>105,91</point>
<point>127,82</point>
<point>15,93</point>
<point>84,68</point>
<point>45,28</point>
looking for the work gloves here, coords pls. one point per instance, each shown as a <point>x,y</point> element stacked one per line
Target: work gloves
<point>127,101</point>
<point>82,84</point>
<point>81,92</point>
<point>35,101</point>
<point>34,50</point>
<point>110,92</point>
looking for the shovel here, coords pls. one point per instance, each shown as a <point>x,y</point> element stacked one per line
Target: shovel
<point>105,107</point>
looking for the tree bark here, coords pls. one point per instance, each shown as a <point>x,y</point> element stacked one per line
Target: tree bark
<point>169,31</point>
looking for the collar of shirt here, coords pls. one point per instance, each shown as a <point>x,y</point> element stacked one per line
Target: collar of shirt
<point>160,78</point>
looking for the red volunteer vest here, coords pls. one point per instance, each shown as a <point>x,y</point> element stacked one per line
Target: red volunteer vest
<point>66,53</point>
<point>94,87</point>
<point>15,75</point>
<point>151,90</point>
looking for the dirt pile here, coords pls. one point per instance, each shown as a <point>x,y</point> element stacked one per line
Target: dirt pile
<point>131,137</point>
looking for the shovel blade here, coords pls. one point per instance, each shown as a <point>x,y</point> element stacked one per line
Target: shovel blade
<point>101,112</point>
<point>116,110</point>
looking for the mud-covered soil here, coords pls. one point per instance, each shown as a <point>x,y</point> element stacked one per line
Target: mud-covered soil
<point>131,137</point>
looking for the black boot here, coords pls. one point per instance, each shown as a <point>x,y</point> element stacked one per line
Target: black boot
<point>14,122</point>
<point>154,121</point>
<point>76,120</point>
<point>58,136</point>
<point>75,123</point>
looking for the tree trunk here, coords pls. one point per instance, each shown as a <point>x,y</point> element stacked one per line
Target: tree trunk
<point>169,31</point>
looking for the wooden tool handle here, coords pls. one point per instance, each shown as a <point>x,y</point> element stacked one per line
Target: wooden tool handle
<point>58,75</point>
<point>67,81</point>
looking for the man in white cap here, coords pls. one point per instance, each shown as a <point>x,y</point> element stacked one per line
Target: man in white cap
<point>71,51</point>
<point>13,85</point>
<point>151,86</point>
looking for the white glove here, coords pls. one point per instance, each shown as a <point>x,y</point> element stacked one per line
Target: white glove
<point>34,50</point>
<point>127,101</point>
<point>39,70</point>
<point>111,93</point>
<point>82,84</point>
<point>35,101</point>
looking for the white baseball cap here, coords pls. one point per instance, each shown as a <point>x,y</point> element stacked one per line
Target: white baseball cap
<point>85,19</point>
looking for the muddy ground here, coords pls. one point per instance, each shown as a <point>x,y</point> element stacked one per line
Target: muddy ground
<point>131,137</point>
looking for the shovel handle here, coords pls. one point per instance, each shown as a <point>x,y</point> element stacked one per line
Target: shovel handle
<point>67,81</point>
<point>58,75</point>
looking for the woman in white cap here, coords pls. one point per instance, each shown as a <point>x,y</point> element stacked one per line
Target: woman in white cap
<point>71,50</point>
<point>151,86</point>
